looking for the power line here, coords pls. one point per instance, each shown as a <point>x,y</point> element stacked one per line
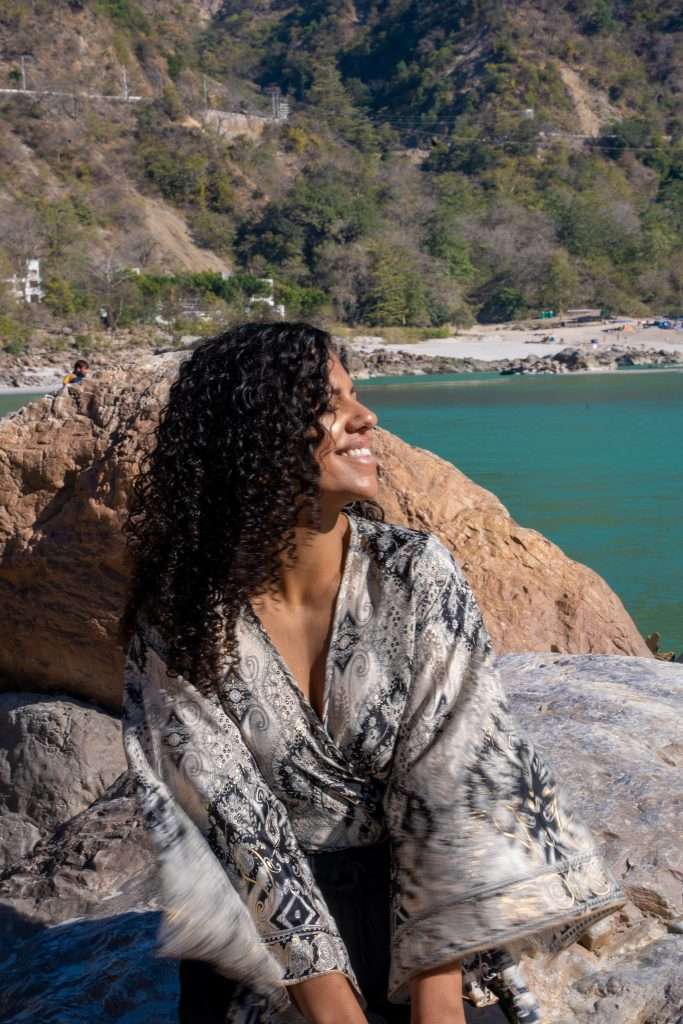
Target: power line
<point>436,130</point>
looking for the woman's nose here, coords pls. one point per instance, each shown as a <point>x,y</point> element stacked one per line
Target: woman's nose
<point>366,417</point>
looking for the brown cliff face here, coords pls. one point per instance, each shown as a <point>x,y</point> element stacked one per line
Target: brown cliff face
<point>66,467</point>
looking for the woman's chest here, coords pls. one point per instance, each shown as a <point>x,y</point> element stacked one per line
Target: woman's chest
<point>365,680</point>
<point>300,638</point>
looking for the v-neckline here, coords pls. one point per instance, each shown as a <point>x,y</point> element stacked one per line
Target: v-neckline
<point>320,722</point>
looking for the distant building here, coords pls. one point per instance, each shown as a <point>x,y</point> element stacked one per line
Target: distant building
<point>28,288</point>
<point>268,300</point>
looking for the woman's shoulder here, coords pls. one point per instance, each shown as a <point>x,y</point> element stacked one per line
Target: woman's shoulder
<point>417,552</point>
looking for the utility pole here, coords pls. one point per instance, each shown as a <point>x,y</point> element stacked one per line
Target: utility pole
<point>125,84</point>
<point>23,70</point>
<point>206,94</point>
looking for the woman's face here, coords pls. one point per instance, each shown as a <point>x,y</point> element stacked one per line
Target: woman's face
<point>348,467</point>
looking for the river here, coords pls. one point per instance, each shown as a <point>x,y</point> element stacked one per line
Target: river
<point>592,461</point>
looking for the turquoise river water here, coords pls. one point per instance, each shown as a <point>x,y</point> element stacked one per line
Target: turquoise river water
<point>593,461</point>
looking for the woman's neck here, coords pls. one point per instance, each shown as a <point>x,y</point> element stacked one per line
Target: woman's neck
<point>317,568</point>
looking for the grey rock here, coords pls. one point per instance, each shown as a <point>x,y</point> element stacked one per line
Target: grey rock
<point>78,917</point>
<point>57,756</point>
<point>645,986</point>
<point>18,836</point>
<point>610,726</point>
<point>98,862</point>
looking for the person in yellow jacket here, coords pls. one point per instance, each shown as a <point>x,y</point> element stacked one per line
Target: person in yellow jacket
<point>78,374</point>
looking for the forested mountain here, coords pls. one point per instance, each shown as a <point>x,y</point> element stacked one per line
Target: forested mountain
<point>442,161</point>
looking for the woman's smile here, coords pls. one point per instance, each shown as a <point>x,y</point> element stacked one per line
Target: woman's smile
<point>348,465</point>
<point>359,453</point>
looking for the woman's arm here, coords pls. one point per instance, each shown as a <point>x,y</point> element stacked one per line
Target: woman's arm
<point>436,996</point>
<point>485,853</point>
<point>328,999</point>
<point>235,887</point>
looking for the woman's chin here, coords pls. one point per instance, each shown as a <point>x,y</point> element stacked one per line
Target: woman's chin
<point>344,496</point>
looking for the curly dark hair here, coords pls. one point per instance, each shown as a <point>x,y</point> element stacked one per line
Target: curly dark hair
<point>217,498</point>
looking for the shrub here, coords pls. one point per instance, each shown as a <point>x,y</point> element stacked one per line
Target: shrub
<point>504,304</point>
<point>84,343</point>
<point>63,298</point>
<point>301,301</point>
<point>212,230</point>
<point>125,13</point>
<point>13,335</point>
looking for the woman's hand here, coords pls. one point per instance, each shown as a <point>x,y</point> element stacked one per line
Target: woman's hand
<point>436,996</point>
<point>327,999</point>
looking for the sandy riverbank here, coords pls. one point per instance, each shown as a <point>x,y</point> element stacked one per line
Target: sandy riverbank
<point>509,342</point>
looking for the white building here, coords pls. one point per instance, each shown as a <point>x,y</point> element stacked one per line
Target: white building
<point>268,300</point>
<point>30,287</point>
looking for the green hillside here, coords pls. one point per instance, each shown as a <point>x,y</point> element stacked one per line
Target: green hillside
<point>442,162</point>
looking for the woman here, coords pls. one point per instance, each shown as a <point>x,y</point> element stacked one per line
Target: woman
<point>348,824</point>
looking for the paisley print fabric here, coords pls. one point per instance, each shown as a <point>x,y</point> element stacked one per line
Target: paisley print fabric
<point>416,745</point>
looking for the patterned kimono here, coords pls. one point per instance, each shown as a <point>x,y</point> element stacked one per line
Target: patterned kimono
<point>416,747</point>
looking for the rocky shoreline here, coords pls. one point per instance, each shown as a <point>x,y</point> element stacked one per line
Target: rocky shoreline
<point>43,367</point>
<point>379,363</point>
<point>573,360</point>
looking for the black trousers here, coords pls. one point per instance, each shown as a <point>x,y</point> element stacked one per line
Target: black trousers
<point>355,884</point>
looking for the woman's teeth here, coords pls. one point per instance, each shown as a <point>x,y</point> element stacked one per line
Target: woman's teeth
<point>356,452</point>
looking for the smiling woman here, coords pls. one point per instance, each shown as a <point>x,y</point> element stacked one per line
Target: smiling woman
<point>346,816</point>
<point>348,425</point>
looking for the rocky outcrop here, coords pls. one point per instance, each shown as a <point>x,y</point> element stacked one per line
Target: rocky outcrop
<point>66,467</point>
<point>95,864</point>
<point>85,899</point>
<point>42,367</point>
<point>569,360</point>
<point>611,727</point>
<point>66,464</point>
<point>380,362</point>
<point>56,757</point>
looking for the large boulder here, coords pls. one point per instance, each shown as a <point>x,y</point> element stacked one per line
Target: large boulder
<point>86,898</point>
<point>57,756</point>
<point>66,467</point>
<point>612,729</point>
<point>96,864</point>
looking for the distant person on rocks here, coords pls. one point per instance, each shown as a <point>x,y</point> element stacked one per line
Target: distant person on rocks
<point>78,374</point>
<point>348,819</point>
<point>104,318</point>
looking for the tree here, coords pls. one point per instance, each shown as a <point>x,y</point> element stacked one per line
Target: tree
<point>396,292</point>
<point>62,298</point>
<point>504,304</point>
<point>561,286</point>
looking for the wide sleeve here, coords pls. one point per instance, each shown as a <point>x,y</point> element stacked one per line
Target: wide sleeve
<point>485,853</point>
<point>235,888</point>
